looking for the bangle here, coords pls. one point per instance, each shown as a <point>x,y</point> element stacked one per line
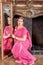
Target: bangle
<point>15,37</point>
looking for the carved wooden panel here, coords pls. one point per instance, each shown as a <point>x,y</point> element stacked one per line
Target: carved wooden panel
<point>27,8</point>
<point>20,1</point>
<point>37,0</point>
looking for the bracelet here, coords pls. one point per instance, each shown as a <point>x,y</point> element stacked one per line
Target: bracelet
<point>15,37</point>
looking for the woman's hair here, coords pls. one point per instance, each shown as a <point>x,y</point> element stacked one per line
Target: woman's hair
<point>6,19</point>
<point>21,18</point>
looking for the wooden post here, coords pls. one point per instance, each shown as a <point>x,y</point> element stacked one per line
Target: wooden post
<point>2,53</point>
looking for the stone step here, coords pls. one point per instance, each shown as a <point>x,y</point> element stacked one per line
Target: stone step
<point>37,52</point>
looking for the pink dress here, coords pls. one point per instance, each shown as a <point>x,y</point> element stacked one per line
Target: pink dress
<point>20,48</point>
<point>7,42</point>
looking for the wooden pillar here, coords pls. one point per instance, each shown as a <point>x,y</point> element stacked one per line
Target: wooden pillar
<point>2,53</point>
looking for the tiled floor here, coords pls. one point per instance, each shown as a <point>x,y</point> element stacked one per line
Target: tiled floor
<point>11,61</point>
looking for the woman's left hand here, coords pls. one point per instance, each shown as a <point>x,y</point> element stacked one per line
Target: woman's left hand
<point>13,36</point>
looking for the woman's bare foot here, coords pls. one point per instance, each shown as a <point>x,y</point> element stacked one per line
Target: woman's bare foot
<point>32,63</point>
<point>18,61</point>
<point>25,63</point>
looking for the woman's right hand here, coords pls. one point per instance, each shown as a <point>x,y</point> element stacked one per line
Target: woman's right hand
<point>13,36</point>
<point>6,36</point>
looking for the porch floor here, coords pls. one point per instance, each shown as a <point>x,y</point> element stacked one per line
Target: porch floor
<point>11,61</point>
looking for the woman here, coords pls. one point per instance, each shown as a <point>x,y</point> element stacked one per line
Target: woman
<point>7,38</point>
<point>22,42</point>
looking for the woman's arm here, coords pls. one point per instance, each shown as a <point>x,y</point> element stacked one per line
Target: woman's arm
<point>20,39</point>
<point>6,36</point>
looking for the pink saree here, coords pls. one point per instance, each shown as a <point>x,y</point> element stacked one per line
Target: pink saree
<point>20,49</point>
<point>7,42</point>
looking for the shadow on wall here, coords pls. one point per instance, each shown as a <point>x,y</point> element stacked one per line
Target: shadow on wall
<point>37,32</point>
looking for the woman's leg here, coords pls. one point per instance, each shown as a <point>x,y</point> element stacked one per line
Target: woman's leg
<point>26,57</point>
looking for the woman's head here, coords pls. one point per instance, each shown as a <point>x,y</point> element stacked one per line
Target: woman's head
<point>20,21</point>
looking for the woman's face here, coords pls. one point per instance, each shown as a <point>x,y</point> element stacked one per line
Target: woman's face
<point>20,22</point>
<point>9,20</point>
